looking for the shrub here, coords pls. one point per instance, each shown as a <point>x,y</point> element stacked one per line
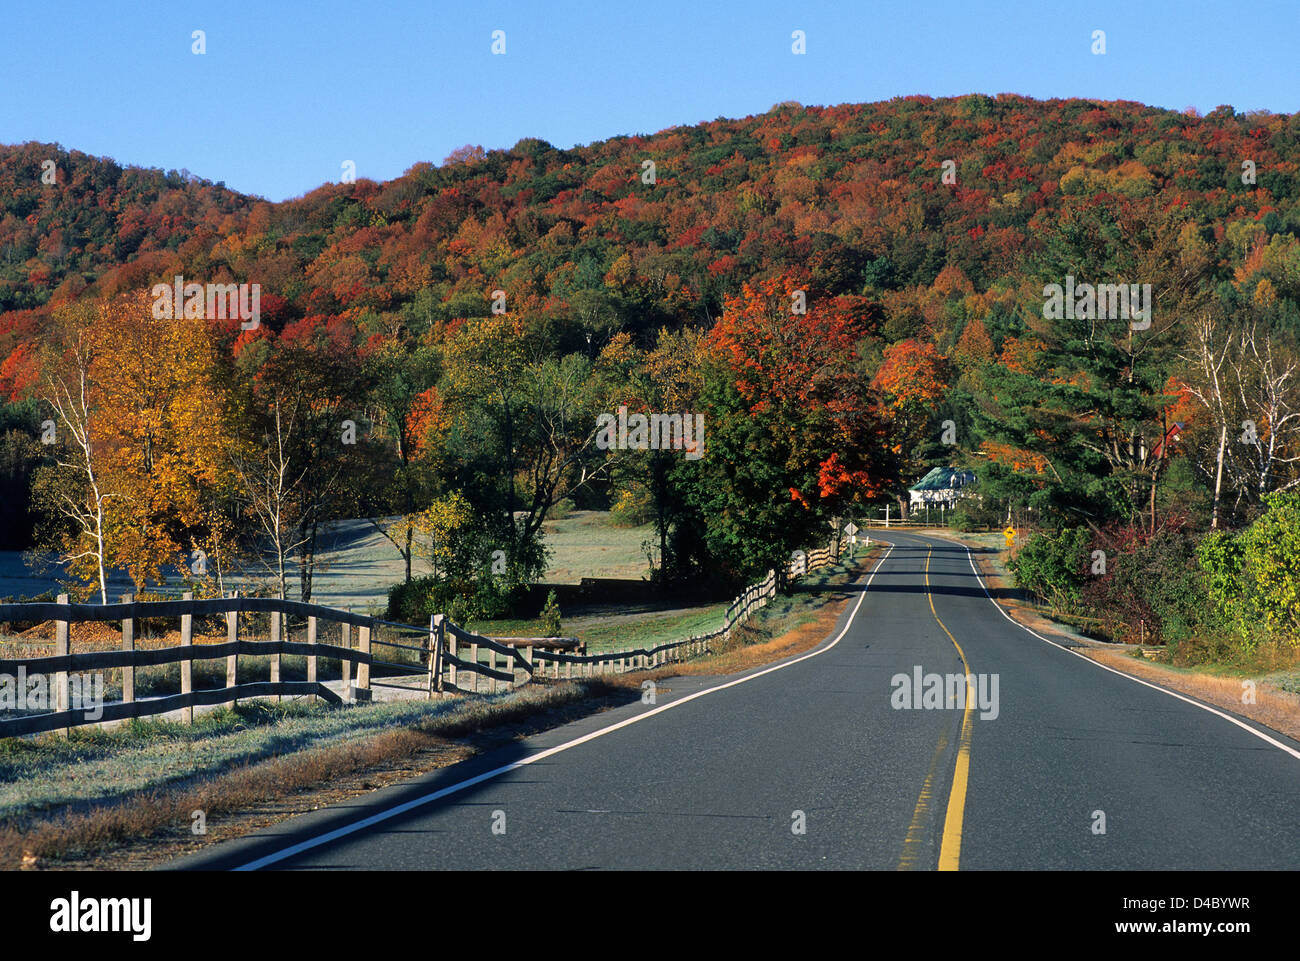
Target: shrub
<point>1253,578</point>
<point>1221,558</point>
<point>1271,552</point>
<point>550,617</point>
<point>969,514</point>
<point>460,599</point>
<point>1153,583</point>
<point>632,509</point>
<point>414,601</point>
<point>1052,565</point>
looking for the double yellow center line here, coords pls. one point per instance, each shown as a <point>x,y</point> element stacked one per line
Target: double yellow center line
<point>950,846</point>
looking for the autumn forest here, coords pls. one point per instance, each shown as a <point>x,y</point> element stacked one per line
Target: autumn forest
<point>842,297</point>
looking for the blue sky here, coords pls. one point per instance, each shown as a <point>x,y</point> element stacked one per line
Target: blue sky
<point>287,92</point>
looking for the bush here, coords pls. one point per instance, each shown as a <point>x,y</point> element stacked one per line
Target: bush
<point>460,599</point>
<point>1153,584</point>
<point>632,509</point>
<point>969,514</point>
<point>1271,552</point>
<point>1201,649</point>
<point>1221,558</point>
<point>1253,578</point>
<point>550,617</point>
<point>414,601</point>
<point>1052,565</point>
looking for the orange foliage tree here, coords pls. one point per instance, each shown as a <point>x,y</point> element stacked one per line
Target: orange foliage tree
<point>794,435</point>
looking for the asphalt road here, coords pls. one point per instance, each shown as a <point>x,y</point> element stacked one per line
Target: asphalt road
<point>814,763</point>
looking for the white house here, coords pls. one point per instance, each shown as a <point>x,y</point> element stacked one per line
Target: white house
<point>943,485</point>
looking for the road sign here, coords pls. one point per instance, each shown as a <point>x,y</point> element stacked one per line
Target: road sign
<point>850,528</point>
<point>1009,534</point>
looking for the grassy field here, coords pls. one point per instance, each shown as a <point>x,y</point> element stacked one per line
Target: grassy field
<point>358,564</point>
<point>585,544</point>
<point>625,627</point>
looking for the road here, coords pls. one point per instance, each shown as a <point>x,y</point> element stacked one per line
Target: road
<point>812,763</point>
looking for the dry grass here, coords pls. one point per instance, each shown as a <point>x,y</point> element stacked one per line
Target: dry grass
<point>753,647</point>
<point>1274,708</point>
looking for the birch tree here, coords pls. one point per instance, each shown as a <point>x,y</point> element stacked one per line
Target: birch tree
<point>73,490</point>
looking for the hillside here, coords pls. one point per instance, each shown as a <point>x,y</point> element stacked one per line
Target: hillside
<point>854,192</point>
<point>473,320</point>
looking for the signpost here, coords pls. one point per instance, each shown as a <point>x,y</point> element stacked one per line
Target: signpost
<point>1009,534</point>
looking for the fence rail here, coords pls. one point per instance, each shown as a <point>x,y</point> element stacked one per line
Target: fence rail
<point>883,523</point>
<point>446,658</point>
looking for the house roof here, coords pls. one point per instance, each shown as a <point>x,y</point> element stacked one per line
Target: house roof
<point>943,478</point>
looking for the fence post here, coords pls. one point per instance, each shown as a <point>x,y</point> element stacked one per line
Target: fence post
<point>277,619</point>
<point>448,640</point>
<point>62,648</point>
<point>232,636</point>
<point>363,669</point>
<point>187,665</point>
<point>473,656</point>
<point>435,654</point>
<point>311,658</point>
<point>492,663</point>
<point>128,646</point>
<point>510,669</point>
<point>346,665</point>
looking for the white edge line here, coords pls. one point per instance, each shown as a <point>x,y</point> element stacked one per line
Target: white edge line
<point>541,755</point>
<point>1137,680</point>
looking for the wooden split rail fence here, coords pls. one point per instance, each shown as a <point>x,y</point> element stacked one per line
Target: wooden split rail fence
<point>55,671</point>
<point>442,658</point>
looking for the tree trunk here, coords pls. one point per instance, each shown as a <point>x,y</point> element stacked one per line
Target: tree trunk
<point>1218,476</point>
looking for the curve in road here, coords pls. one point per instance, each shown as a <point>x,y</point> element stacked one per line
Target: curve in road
<point>1026,755</point>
